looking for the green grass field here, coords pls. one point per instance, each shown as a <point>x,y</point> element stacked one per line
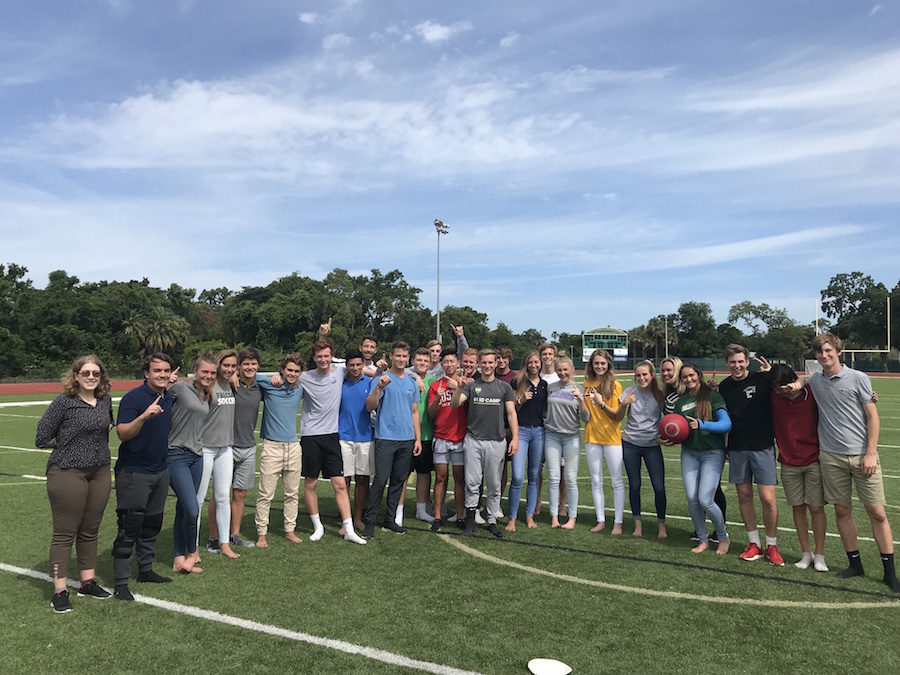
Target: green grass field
<point>597,602</point>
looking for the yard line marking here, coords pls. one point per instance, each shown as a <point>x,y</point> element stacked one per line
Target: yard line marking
<point>880,445</point>
<point>397,660</point>
<point>32,417</point>
<point>30,482</point>
<point>15,448</point>
<point>673,595</point>
<point>33,477</point>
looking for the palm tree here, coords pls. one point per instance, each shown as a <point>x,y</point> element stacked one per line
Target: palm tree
<point>157,330</point>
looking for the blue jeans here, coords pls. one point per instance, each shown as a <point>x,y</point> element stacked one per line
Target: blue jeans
<point>557,447</point>
<point>185,469</point>
<point>701,472</point>
<point>652,456</point>
<point>531,448</point>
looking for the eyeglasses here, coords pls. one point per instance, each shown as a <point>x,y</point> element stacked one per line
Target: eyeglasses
<point>89,373</point>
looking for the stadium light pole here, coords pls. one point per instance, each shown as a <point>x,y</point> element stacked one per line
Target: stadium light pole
<point>667,335</point>
<point>440,228</point>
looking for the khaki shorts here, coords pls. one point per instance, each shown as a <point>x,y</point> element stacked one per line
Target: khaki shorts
<point>841,472</point>
<point>359,460</point>
<point>803,485</point>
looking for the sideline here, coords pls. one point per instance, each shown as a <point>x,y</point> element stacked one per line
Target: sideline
<point>673,595</point>
<point>390,658</point>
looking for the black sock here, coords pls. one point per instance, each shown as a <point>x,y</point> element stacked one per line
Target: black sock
<point>855,569</point>
<point>887,559</point>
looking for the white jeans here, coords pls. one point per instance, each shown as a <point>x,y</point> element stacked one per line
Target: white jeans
<point>219,463</point>
<point>559,447</point>
<point>595,454</point>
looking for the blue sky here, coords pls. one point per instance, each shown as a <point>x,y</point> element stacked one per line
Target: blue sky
<point>598,162</point>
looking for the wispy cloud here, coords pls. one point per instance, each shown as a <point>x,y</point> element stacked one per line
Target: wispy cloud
<point>336,41</point>
<point>433,32</point>
<point>509,39</point>
<point>309,18</point>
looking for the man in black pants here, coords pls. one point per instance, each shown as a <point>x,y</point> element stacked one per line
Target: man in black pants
<point>142,479</point>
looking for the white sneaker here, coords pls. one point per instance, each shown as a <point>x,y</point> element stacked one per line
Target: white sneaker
<point>479,520</point>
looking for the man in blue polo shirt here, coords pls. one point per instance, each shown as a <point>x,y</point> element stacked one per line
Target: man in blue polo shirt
<point>142,478</point>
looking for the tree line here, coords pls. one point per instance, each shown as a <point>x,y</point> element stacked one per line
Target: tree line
<point>42,330</point>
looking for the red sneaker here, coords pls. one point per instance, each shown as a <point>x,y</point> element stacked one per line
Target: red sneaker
<point>773,556</point>
<point>753,552</point>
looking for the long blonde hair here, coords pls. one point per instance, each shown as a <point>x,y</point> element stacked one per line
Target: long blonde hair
<point>678,387</point>
<point>654,383</point>
<point>522,381</point>
<point>608,379</point>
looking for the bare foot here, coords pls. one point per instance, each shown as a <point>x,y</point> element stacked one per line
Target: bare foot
<point>529,521</point>
<point>599,527</point>
<point>290,536</point>
<point>722,548</point>
<point>188,566</point>
<point>617,529</point>
<point>511,525</point>
<point>261,542</point>
<point>341,531</point>
<point>662,534</point>
<point>537,508</point>
<point>359,525</point>
<point>197,570</point>
<point>554,521</point>
<point>193,559</point>
<point>638,530</point>
<point>178,563</point>
<point>569,524</point>
<point>700,548</point>
<point>228,553</point>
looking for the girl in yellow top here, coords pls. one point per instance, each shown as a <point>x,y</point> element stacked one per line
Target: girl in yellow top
<point>602,436</point>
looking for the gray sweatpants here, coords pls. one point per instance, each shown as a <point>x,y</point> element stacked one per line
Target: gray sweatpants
<point>484,460</point>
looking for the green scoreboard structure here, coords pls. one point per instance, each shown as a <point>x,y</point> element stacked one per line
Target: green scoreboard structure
<point>613,340</point>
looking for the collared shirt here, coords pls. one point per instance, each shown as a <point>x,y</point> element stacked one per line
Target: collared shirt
<point>280,406</point>
<point>843,428</point>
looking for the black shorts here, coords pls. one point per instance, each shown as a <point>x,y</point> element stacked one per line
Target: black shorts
<point>321,454</point>
<point>424,463</point>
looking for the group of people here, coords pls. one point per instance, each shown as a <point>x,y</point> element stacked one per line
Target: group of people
<point>366,420</point>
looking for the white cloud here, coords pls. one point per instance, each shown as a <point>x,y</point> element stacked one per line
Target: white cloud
<point>432,32</point>
<point>309,18</point>
<point>509,39</point>
<point>336,41</point>
<point>875,9</point>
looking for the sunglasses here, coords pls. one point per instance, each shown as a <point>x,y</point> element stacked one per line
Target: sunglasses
<point>89,373</point>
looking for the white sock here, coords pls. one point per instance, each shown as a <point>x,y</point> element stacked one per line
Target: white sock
<point>819,563</point>
<point>318,530</point>
<point>770,541</point>
<point>350,533</point>
<point>422,512</point>
<point>398,518</point>
<point>805,561</point>
<point>753,537</point>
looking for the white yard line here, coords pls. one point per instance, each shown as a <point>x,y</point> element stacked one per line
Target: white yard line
<point>25,404</point>
<point>392,659</point>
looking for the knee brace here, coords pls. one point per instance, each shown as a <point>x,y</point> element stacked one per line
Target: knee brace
<point>151,525</point>
<point>130,523</point>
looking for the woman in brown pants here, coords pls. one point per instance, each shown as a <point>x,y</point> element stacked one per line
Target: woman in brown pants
<point>76,425</point>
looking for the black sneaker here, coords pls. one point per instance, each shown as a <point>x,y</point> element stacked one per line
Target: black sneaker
<point>461,524</point>
<point>92,589</point>
<point>494,530</point>
<point>121,592</point>
<point>436,525</point>
<point>713,537</point>
<point>151,577</point>
<point>695,537</point>
<point>368,531</point>
<point>238,540</point>
<point>60,602</point>
<point>212,545</point>
<point>391,526</point>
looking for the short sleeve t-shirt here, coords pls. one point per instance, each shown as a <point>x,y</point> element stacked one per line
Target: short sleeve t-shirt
<point>602,429</point>
<point>700,439</point>
<point>188,416</point>
<point>487,404</point>
<point>354,423</point>
<point>643,417</point>
<point>218,432</point>
<point>280,406</point>
<point>394,420</point>
<point>246,412</point>
<point>146,452</point>
<point>795,428</point>
<point>842,419</point>
<point>321,401</point>
<point>750,410</point>
<point>531,411</point>
<point>564,413</point>
<point>450,422</point>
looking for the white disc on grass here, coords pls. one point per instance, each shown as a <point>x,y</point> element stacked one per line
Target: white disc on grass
<point>548,667</point>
